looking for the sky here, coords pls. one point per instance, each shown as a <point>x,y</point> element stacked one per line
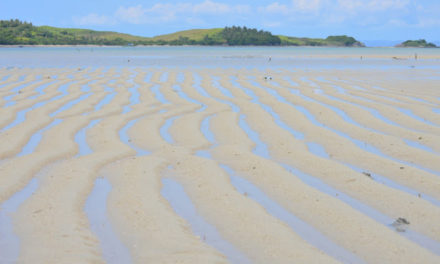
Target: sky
<point>371,21</point>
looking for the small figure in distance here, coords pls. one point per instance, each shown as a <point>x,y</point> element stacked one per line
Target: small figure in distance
<point>270,59</point>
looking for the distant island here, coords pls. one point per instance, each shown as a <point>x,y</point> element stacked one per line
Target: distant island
<point>421,43</point>
<point>16,32</point>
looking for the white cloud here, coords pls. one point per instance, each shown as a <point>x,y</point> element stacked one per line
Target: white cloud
<point>167,12</point>
<point>275,8</point>
<point>307,5</point>
<point>155,14</point>
<point>93,20</point>
<point>196,22</point>
<point>295,7</point>
<point>271,24</point>
<point>364,13</point>
<point>132,14</point>
<point>360,6</point>
<point>397,22</point>
<point>209,7</point>
<point>428,22</point>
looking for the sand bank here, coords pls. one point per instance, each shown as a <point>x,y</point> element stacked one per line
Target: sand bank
<point>254,160</point>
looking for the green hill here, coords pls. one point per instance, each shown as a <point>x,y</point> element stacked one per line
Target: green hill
<point>421,43</point>
<point>335,41</point>
<point>15,32</point>
<point>231,36</point>
<point>193,34</point>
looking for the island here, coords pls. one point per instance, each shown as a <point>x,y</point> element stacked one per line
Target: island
<point>16,32</point>
<point>421,43</point>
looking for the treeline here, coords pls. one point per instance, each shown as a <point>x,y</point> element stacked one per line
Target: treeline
<point>421,43</point>
<point>334,41</point>
<point>235,36</point>
<point>16,32</point>
<point>343,41</point>
<point>181,41</point>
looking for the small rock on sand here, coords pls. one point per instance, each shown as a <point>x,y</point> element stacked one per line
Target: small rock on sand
<point>401,224</point>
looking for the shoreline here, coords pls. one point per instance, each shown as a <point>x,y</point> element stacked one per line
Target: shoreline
<point>234,143</point>
<point>267,56</point>
<point>223,46</point>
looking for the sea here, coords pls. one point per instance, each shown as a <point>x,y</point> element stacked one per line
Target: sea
<point>224,57</point>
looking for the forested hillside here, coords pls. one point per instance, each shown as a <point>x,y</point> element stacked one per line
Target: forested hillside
<point>15,32</point>
<point>421,43</point>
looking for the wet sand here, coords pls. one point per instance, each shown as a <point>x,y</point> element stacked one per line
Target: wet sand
<point>221,165</point>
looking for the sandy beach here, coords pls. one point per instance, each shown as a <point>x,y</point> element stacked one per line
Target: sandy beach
<point>219,165</point>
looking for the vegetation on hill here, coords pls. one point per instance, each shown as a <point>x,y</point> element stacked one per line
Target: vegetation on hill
<point>231,36</point>
<point>15,32</point>
<point>192,35</point>
<point>339,41</point>
<point>421,43</point>
<point>248,36</point>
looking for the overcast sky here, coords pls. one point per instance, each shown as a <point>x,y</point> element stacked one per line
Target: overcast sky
<point>364,19</point>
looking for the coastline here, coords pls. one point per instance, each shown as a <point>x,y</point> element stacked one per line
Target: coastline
<point>333,148</point>
<point>284,55</point>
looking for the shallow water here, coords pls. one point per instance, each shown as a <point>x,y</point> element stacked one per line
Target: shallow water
<point>40,90</point>
<point>164,129</point>
<point>107,99</point>
<point>124,137</point>
<point>195,61</point>
<point>9,241</point>
<point>85,88</point>
<point>418,238</point>
<point>420,146</point>
<point>338,111</point>
<point>309,82</point>
<point>373,111</point>
<point>182,94</point>
<point>316,183</point>
<point>207,133</point>
<point>268,109</point>
<point>224,91</point>
<point>214,57</point>
<point>113,251</point>
<point>183,206</point>
<point>421,100</point>
<point>16,90</point>
<point>158,95</point>
<point>81,139</point>
<point>300,227</point>
<point>5,78</point>
<point>318,150</point>
<point>366,146</point>
<point>409,113</point>
<point>260,147</point>
<point>389,183</point>
<point>227,93</point>
<point>304,230</point>
<point>36,138</point>
<point>134,97</point>
<point>70,104</point>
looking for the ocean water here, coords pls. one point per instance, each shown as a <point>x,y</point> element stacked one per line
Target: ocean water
<point>225,57</point>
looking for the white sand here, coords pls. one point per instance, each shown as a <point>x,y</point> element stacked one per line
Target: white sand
<point>53,227</point>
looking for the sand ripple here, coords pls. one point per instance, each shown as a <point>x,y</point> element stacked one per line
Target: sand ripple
<point>316,166</point>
